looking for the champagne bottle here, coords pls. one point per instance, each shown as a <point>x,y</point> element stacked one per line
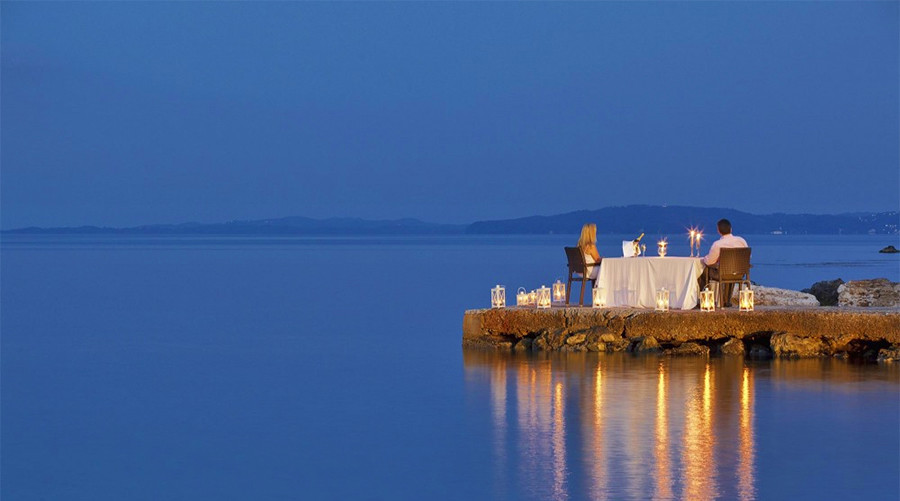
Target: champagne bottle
<point>636,243</point>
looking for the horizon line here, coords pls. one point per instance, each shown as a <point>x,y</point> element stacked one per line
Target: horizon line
<point>415,219</point>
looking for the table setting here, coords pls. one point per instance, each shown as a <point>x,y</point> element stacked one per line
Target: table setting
<point>634,279</point>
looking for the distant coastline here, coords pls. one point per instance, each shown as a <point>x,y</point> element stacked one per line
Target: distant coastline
<point>627,219</point>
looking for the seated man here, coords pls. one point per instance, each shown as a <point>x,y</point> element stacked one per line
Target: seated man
<point>711,260</point>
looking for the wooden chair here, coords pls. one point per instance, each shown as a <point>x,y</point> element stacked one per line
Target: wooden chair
<point>578,271</point>
<point>734,268</point>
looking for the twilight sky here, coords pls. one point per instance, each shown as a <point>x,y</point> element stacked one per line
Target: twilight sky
<point>122,113</point>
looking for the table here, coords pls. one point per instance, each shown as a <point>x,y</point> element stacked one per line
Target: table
<point>633,281</point>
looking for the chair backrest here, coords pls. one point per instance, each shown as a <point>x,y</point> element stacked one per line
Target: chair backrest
<point>734,263</point>
<point>576,260</point>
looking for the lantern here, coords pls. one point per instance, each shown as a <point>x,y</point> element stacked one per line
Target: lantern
<point>707,300</point>
<point>532,298</point>
<point>662,300</point>
<point>521,297</point>
<point>598,299</point>
<point>559,292</point>
<point>498,297</point>
<point>746,299</point>
<point>543,297</point>
<point>661,248</point>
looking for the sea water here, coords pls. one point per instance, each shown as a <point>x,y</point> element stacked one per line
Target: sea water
<point>331,368</point>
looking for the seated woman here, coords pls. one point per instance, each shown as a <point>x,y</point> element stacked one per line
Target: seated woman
<point>588,245</point>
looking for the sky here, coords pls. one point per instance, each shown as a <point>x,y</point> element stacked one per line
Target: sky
<point>129,113</point>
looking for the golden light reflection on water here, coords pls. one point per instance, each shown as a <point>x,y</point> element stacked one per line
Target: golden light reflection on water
<point>663,466</point>
<point>559,443</point>
<point>746,489</point>
<point>698,470</point>
<point>593,427</point>
<point>647,428</point>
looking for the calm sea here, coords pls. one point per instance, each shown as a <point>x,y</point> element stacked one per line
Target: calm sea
<point>331,368</point>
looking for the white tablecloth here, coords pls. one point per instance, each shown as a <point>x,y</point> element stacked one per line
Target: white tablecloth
<point>633,281</point>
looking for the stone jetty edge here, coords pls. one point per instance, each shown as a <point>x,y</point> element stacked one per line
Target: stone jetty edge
<point>867,333</point>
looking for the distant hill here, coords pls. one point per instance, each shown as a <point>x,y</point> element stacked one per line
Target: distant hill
<point>631,219</point>
<point>279,226</point>
<point>654,219</point>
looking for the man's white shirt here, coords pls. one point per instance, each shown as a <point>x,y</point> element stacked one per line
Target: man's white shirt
<point>728,241</point>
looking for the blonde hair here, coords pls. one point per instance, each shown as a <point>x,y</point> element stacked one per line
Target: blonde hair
<point>588,235</point>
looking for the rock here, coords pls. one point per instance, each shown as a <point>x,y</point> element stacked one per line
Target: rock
<point>890,249</point>
<point>556,339</point>
<point>688,349</point>
<point>601,320</point>
<point>844,343</point>
<point>645,344</point>
<point>792,345</point>
<point>878,292</point>
<point>610,338</point>
<point>598,346</point>
<point>524,344</point>
<point>620,344</point>
<point>509,321</point>
<point>891,354</point>
<point>733,346</point>
<point>851,330</point>
<point>575,339</point>
<point>826,291</point>
<point>771,296</point>
<point>593,335</point>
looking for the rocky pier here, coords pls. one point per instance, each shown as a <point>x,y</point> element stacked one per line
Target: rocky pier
<point>769,331</point>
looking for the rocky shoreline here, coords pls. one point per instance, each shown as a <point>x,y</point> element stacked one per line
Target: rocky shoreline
<point>876,292</point>
<point>857,319</point>
<point>789,332</point>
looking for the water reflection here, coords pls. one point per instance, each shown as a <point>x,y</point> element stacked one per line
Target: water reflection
<point>745,465</point>
<point>593,426</point>
<point>541,444</point>
<point>559,444</point>
<point>498,408</point>
<point>663,465</point>
<point>698,467</point>
<point>614,426</point>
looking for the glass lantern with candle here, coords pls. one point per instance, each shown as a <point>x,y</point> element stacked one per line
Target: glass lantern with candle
<point>598,299</point>
<point>532,298</point>
<point>543,297</point>
<point>521,297</point>
<point>559,292</point>
<point>498,297</point>
<point>746,299</point>
<point>662,248</point>
<point>662,300</point>
<point>707,300</point>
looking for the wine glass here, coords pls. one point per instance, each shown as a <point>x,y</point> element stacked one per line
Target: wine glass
<point>643,249</point>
